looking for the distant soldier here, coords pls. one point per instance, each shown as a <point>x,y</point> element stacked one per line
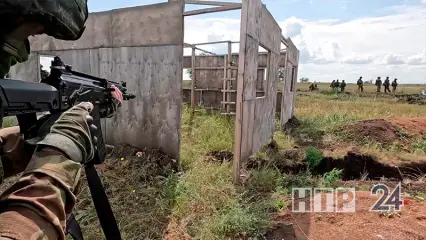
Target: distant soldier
<point>394,85</point>
<point>342,86</point>
<point>311,87</point>
<point>360,84</point>
<point>332,84</point>
<point>336,86</point>
<point>43,73</point>
<point>386,84</point>
<point>378,84</point>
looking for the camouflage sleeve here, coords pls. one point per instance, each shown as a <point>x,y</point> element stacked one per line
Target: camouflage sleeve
<point>37,206</point>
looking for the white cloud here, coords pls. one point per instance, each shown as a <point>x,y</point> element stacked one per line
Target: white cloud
<point>418,59</point>
<point>393,44</point>
<point>390,59</point>
<point>357,59</point>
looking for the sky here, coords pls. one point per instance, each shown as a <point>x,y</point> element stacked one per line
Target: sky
<point>337,39</point>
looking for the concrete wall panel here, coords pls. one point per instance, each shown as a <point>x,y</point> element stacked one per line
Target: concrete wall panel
<point>27,71</point>
<point>142,46</point>
<point>151,25</point>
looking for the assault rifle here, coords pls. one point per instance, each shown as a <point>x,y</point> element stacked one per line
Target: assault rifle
<point>60,91</point>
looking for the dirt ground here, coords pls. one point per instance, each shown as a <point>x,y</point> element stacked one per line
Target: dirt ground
<point>379,130</point>
<point>416,125</point>
<point>389,130</point>
<point>409,223</point>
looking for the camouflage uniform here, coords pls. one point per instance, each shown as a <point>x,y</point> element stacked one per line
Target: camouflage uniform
<point>43,198</point>
<point>378,84</point>
<point>394,85</point>
<point>360,84</point>
<point>337,85</point>
<point>386,84</point>
<point>39,203</point>
<point>342,86</point>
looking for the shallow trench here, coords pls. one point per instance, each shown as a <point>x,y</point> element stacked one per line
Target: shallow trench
<point>356,166</point>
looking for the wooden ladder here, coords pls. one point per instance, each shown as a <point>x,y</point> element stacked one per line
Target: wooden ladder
<point>228,83</point>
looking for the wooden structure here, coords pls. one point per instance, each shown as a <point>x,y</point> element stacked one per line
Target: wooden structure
<point>144,46</point>
<point>246,92</point>
<point>214,78</point>
<point>140,45</point>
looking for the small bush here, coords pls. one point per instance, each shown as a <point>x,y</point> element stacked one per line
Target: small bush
<point>313,157</point>
<point>263,181</point>
<point>290,181</point>
<point>330,178</point>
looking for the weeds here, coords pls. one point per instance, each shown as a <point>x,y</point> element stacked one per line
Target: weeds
<point>330,178</point>
<point>420,146</point>
<point>313,157</point>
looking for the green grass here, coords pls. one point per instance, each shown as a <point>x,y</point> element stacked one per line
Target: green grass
<point>201,202</point>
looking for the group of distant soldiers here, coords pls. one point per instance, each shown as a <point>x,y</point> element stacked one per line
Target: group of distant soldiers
<point>340,86</point>
<point>335,85</point>
<point>379,84</point>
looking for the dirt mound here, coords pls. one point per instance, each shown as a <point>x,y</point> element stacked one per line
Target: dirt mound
<point>416,125</point>
<point>379,130</point>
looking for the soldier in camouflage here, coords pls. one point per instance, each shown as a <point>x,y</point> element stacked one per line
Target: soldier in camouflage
<point>360,84</point>
<point>386,84</point>
<point>378,84</point>
<point>336,86</point>
<point>37,206</point>
<point>394,85</point>
<point>342,86</point>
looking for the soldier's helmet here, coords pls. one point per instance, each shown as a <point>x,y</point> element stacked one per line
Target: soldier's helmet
<point>378,77</point>
<point>396,78</point>
<point>360,77</point>
<point>62,19</point>
<point>387,77</point>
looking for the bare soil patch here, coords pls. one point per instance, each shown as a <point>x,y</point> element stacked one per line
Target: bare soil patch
<point>387,131</point>
<point>416,125</point>
<point>379,130</point>
<point>408,224</point>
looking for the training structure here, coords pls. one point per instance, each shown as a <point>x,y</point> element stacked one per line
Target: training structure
<point>244,84</point>
<point>142,46</point>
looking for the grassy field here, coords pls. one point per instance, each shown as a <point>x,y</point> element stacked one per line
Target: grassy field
<point>201,202</point>
<point>368,88</point>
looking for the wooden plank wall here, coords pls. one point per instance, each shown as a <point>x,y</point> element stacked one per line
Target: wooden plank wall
<point>289,87</point>
<point>213,78</point>
<point>255,117</point>
<point>144,48</point>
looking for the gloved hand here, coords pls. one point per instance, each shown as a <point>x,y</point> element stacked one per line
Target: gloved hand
<point>15,153</point>
<point>71,134</point>
<point>117,99</point>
